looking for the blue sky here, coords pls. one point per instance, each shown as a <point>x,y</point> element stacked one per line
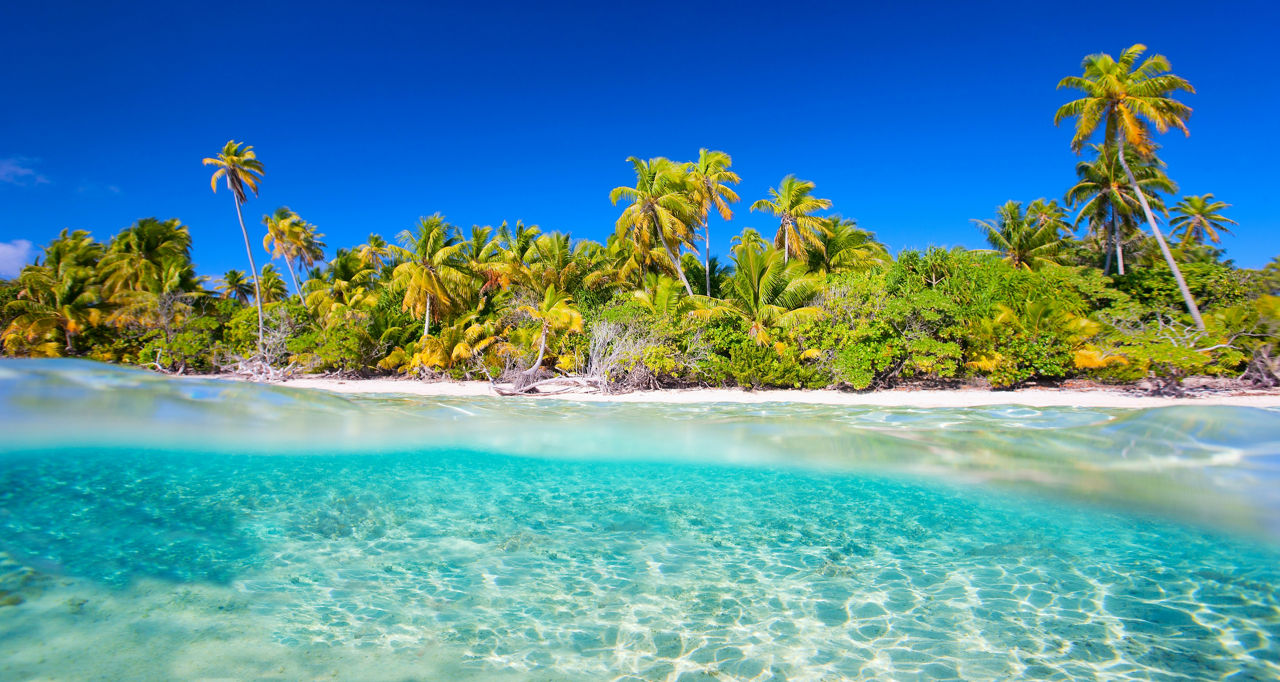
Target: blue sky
<point>912,118</point>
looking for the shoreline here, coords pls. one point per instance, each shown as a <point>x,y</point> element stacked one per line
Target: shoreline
<point>1101,397</point>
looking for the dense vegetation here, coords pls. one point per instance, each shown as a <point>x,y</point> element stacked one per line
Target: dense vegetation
<point>1086,286</point>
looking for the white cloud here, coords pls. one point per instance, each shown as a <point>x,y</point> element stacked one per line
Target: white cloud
<point>17,170</point>
<point>14,255</point>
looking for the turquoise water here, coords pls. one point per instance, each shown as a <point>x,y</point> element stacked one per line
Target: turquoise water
<point>156,528</point>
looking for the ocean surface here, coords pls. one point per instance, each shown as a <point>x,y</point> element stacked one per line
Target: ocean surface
<point>156,528</point>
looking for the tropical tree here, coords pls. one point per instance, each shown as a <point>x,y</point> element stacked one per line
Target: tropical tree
<point>661,296</point>
<point>1107,201</point>
<point>794,204</point>
<point>1027,240</point>
<point>1198,218</point>
<point>235,285</point>
<point>710,177</point>
<point>555,313</point>
<point>842,245</point>
<point>239,166</point>
<point>1127,101</point>
<point>150,255</point>
<point>271,286</point>
<point>58,297</point>
<point>660,210</point>
<point>432,269</point>
<point>290,236</point>
<point>374,252</point>
<point>765,291</point>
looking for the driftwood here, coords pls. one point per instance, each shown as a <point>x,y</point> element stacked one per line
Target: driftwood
<point>557,385</point>
<point>255,368</point>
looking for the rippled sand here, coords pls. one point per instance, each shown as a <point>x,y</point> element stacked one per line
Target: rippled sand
<point>478,566</point>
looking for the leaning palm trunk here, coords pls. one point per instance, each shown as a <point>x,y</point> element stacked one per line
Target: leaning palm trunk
<point>1164,248</point>
<point>675,260</point>
<point>257,289</point>
<point>706,257</point>
<point>293,275</point>
<point>426,319</point>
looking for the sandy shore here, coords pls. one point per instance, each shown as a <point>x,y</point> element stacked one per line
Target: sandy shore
<point>1034,397</point>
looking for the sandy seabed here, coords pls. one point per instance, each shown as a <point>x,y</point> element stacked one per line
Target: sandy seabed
<point>964,397</point>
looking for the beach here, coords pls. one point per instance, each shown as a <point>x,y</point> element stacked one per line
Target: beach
<point>1107,397</point>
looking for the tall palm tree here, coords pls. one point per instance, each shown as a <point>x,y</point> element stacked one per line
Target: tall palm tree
<point>234,285</point>
<point>1027,240</point>
<point>282,238</point>
<point>239,166</point>
<point>374,252</point>
<point>711,177</point>
<point>660,210</point>
<point>844,246</point>
<point>1199,218</point>
<point>794,204</point>
<point>1107,200</point>
<point>432,269</point>
<point>1128,101</point>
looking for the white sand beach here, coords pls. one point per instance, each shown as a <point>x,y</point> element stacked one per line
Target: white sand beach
<point>963,397</point>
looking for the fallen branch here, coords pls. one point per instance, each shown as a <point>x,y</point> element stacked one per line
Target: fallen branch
<point>564,385</point>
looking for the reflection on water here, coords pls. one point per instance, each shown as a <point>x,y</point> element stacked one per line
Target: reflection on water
<point>156,529</point>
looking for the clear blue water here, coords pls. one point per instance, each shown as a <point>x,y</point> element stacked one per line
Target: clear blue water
<point>157,528</point>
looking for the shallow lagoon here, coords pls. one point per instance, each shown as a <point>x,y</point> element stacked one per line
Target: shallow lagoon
<point>155,528</point>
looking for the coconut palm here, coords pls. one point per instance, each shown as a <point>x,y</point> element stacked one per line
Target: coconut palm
<point>432,270</point>
<point>711,177</point>
<point>234,285</point>
<point>794,204</point>
<point>1107,200</point>
<point>765,291</point>
<point>556,313</point>
<point>374,252</point>
<point>239,166</point>
<point>1198,218</point>
<point>843,246</point>
<point>56,297</point>
<point>1127,101</point>
<point>150,255</point>
<point>660,210</point>
<point>1027,240</point>
<point>271,287</point>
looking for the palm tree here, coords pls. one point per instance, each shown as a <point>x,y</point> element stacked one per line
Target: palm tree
<point>150,255</point>
<point>765,290</point>
<point>1029,240</point>
<point>374,252</point>
<point>660,209</point>
<point>1128,101</point>
<point>58,295</point>
<point>282,238</point>
<point>711,177</point>
<point>556,313</point>
<point>843,246</point>
<point>794,204</point>
<point>271,285</point>
<point>1199,218</point>
<point>239,165</point>
<point>1107,199</point>
<point>235,286</point>
<point>432,268</point>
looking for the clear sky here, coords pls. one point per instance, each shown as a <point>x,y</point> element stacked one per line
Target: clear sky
<point>912,118</point>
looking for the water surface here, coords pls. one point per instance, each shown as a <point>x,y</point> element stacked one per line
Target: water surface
<point>153,528</point>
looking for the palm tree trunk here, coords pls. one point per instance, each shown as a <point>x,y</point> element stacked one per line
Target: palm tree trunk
<point>676,262</point>
<point>706,257</point>
<point>542,349</point>
<point>257,289</point>
<point>786,242</point>
<point>426,319</point>
<point>1109,241</point>
<point>1155,230</point>
<point>296,287</point>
